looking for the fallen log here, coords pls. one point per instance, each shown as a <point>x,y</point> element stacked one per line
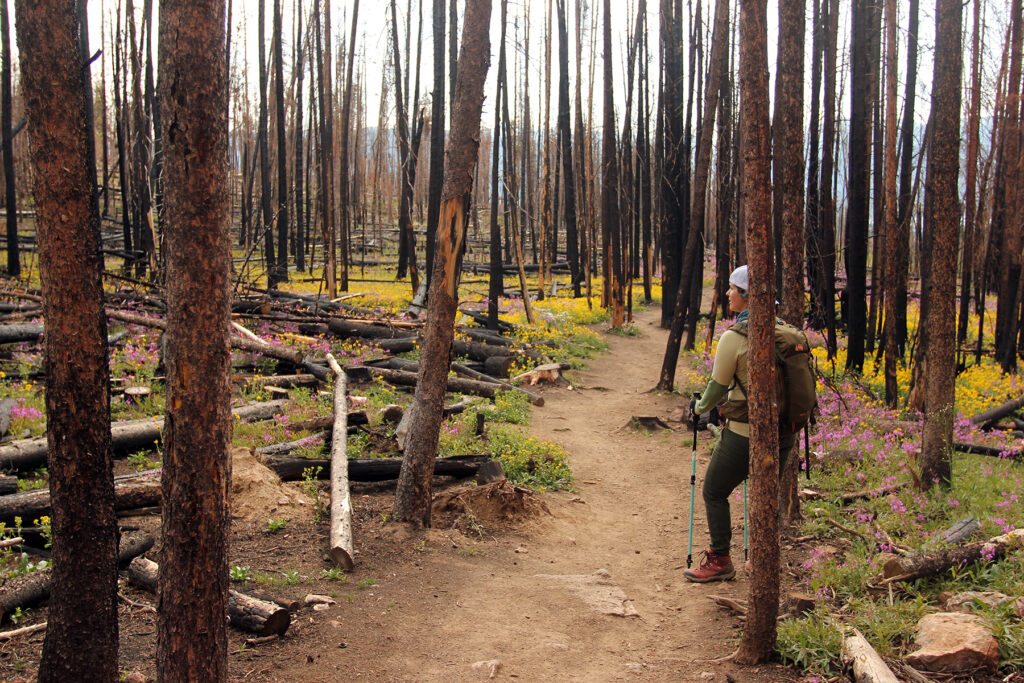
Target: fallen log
<point>283,381</point>
<point>535,399</point>
<point>237,341</point>
<point>340,537</point>
<point>868,667</point>
<point>961,531</point>
<point>125,437</point>
<point>406,365</point>
<point>462,386</point>
<point>990,451</point>
<point>481,352</point>
<point>847,498</point>
<point>994,414</point>
<point>21,332</point>
<point>346,329</point>
<point>355,419</point>
<point>482,319</point>
<point>499,366</point>
<point>245,612</point>
<point>290,468</point>
<point>33,588</point>
<point>31,505</point>
<point>930,564</point>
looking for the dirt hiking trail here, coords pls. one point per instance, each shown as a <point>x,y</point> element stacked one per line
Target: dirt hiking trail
<point>537,602</point>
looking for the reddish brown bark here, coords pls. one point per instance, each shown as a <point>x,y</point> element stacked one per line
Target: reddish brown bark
<point>758,641</point>
<point>81,640</point>
<point>413,494</point>
<point>191,632</point>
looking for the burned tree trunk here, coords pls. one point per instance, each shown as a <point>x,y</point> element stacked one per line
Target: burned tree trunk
<point>282,147</point>
<point>406,243</point>
<point>891,231</point>
<point>300,229</point>
<point>412,497</point>
<point>267,232</point>
<point>191,633</point>
<point>788,146</point>
<point>861,97</point>
<point>719,42</point>
<point>565,136</point>
<point>344,186</point>
<point>437,122</point>
<point>495,282</point>
<point>6,107</point>
<point>942,198</point>
<point>610,185</point>
<point>81,640</point>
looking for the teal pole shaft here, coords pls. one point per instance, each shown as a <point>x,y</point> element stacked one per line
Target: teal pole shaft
<point>693,487</point>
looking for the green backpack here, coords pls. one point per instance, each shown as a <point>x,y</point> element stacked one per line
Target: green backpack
<point>795,386</point>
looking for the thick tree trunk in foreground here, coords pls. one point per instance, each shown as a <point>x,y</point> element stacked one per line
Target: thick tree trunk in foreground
<point>942,198</point>
<point>412,497</point>
<point>758,641</point>
<point>191,632</point>
<point>81,640</point>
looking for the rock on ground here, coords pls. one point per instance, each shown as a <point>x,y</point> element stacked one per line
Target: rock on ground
<point>951,642</point>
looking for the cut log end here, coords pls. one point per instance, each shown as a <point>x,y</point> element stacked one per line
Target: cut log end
<point>342,558</point>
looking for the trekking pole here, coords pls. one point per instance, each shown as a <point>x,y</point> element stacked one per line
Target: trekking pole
<point>693,485</point>
<point>807,451</point>
<point>746,540</point>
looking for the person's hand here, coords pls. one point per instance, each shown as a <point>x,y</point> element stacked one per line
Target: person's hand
<point>712,417</point>
<point>693,411</point>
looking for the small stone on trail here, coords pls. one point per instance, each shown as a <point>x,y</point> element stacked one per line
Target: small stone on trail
<point>521,550</point>
<point>314,599</point>
<point>707,675</point>
<point>321,607</point>
<point>558,646</point>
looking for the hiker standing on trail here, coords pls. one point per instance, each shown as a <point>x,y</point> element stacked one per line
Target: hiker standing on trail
<point>731,458</point>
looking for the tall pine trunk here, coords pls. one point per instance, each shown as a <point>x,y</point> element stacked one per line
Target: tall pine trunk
<point>942,199</point>
<point>758,642</point>
<point>82,633</point>
<point>413,493</point>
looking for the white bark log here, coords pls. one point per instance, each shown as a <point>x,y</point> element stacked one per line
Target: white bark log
<point>868,667</point>
<point>342,550</point>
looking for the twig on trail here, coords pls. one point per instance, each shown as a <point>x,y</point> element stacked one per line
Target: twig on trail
<point>720,660</point>
<point>138,605</point>
<point>262,639</point>
<point>738,606</point>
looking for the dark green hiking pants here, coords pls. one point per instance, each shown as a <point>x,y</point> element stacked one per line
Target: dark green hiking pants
<point>729,465</point>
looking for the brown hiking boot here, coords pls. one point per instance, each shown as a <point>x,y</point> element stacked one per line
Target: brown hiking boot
<point>712,568</point>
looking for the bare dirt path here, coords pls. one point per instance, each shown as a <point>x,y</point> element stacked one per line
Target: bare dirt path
<point>529,599</point>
